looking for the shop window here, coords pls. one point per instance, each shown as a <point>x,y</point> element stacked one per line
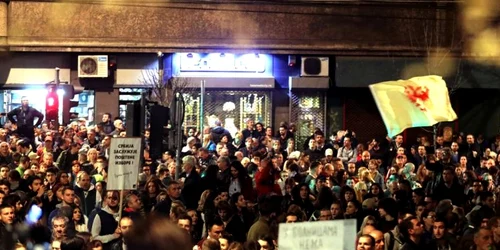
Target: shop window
<point>11,99</point>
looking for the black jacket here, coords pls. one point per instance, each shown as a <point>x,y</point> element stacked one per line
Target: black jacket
<point>25,118</point>
<point>191,191</point>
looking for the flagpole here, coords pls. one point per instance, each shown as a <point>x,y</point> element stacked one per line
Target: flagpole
<point>434,136</point>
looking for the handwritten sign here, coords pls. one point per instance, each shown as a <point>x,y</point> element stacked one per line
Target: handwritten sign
<point>124,163</point>
<point>318,235</point>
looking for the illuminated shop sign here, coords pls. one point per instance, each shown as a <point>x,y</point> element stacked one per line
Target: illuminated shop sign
<point>223,62</point>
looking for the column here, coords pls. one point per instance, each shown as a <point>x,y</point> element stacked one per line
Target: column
<point>3,24</point>
<point>106,102</point>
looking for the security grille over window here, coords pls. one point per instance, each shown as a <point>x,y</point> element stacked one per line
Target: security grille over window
<point>232,108</point>
<point>307,112</point>
<point>363,118</point>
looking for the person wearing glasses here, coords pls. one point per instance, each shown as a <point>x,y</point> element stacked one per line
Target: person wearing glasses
<point>104,225</point>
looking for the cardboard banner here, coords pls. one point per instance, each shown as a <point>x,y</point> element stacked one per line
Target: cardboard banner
<point>318,235</point>
<point>124,163</point>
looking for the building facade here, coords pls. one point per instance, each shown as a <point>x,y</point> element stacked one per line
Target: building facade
<point>363,43</point>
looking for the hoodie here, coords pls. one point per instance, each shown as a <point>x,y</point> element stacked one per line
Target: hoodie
<point>218,132</point>
<point>89,199</point>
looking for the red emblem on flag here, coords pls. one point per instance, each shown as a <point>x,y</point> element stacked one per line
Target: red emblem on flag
<point>418,95</point>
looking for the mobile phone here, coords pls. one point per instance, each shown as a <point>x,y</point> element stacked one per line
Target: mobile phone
<point>34,214</point>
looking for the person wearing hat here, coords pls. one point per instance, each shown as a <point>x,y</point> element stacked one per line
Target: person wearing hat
<point>82,153</point>
<point>34,158</point>
<point>48,147</point>
<point>329,155</point>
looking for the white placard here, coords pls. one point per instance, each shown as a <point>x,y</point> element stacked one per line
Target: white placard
<point>124,162</point>
<point>318,235</point>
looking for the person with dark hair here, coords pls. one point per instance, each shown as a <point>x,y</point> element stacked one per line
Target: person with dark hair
<point>388,212</point>
<point>266,242</point>
<point>225,240</point>
<point>449,188</point>
<point>73,243</point>
<point>35,184</point>
<point>14,201</point>
<point>347,152</point>
<point>441,237</point>
<point>68,200</point>
<point>215,230</point>
<point>16,182</point>
<point>185,222</point>
<point>313,174</point>
<point>240,181</point>
<point>412,229</point>
<point>234,224</point>
<point>300,197</point>
<point>125,226</point>
<point>7,216</point>
<point>262,226</point>
<point>107,124</point>
<point>23,147</point>
<point>102,222</point>
<point>66,158</point>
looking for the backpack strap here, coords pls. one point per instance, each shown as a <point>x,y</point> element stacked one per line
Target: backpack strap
<point>391,241</point>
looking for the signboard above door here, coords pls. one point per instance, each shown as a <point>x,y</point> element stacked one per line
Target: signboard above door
<point>223,63</point>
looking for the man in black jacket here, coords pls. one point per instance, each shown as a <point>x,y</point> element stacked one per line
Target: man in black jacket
<point>6,222</point>
<point>24,117</point>
<point>191,191</point>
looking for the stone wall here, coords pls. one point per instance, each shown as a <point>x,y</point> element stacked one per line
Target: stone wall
<point>350,28</point>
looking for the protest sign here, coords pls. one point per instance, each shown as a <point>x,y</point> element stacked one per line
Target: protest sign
<point>124,162</point>
<point>318,235</point>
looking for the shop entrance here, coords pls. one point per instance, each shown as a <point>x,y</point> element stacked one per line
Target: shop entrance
<point>231,107</point>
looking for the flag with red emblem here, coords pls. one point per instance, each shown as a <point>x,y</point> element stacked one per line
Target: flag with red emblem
<point>417,102</point>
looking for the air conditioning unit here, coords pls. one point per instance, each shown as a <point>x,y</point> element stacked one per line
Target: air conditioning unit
<point>314,66</point>
<point>93,66</point>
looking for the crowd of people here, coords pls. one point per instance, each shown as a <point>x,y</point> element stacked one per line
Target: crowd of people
<point>235,189</point>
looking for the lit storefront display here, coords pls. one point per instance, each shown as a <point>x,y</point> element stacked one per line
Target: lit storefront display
<point>231,107</point>
<point>238,88</point>
<point>11,99</point>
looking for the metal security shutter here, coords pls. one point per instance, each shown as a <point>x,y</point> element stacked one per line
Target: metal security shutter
<point>362,116</point>
<point>307,112</point>
<point>247,104</point>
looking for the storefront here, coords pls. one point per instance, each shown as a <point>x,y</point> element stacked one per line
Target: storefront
<point>11,99</point>
<point>231,107</point>
<point>307,109</point>
<point>27,74</point>
<point>237,87</point>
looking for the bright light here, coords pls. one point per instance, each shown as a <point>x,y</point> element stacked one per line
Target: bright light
<point>60,92</point>
<point>50,101</point>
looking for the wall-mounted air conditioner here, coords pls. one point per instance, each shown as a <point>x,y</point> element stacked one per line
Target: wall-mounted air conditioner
<point>93,66</point>
<point>314,66</point>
